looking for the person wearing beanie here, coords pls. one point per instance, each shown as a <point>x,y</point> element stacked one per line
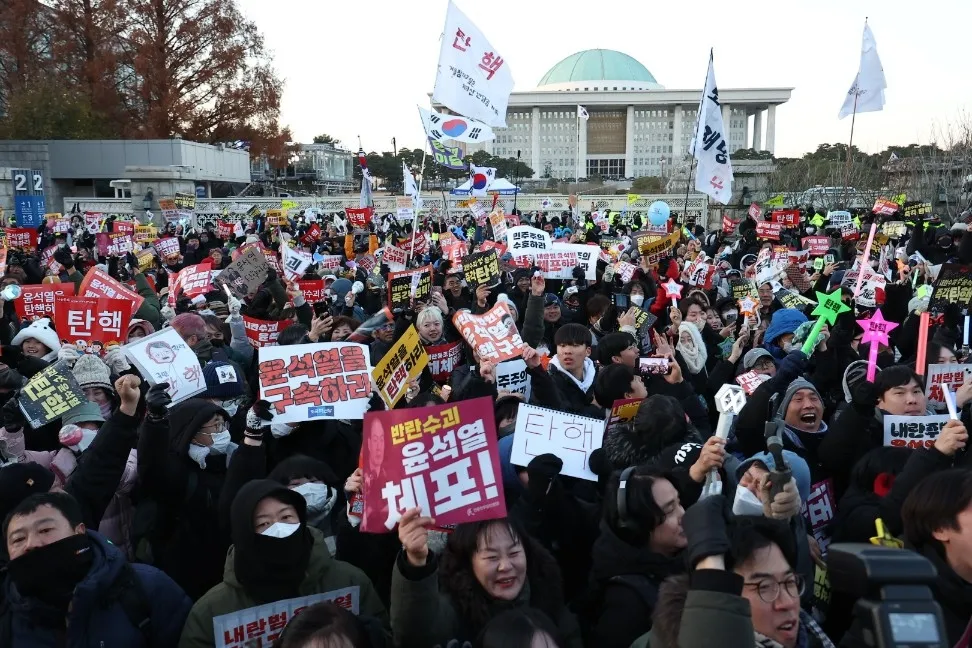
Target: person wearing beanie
<point>18,481</point>
<point>94,378</point>
<point>276,556</point>
<point>225,388</point>
<point>38,340</point>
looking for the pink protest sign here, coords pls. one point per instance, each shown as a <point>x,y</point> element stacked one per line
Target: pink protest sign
<point>876,332</point>
<point>443,459</point>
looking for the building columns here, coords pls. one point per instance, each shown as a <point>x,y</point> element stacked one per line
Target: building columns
<point>758,130</point>
<point>581,147</point>
<point>771,128</point>
<point>677,152</point>
<point>535,142</point>
<point>629,145</point>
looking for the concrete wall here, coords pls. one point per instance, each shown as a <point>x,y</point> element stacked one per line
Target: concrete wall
<point>25,155</point>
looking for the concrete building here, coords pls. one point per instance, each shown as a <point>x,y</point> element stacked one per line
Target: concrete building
<point>636,127</point>
<point>316,169</point>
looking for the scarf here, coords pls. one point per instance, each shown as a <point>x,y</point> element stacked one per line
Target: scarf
<point>589,372</point>
<point>811,636</point>
<point>695,355</point>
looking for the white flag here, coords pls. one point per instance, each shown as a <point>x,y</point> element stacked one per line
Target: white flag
<point>714,173</point>
<point>473,79</point>
<point>480,179</point>
<point>869,84</point>
<point>411,190</point>
<point>582,112</point>
<point>439,126</point>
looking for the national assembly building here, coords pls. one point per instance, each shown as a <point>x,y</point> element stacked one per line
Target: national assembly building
<point>635,126</point>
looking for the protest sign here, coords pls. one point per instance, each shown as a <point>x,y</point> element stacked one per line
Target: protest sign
<point>728,225</point>
<point>913,210</point>
<point>454,251</point>
<point>50,394</point>
<point>404,208</point>
<point>512,378</point>
<point>653,251</point>
<point>91,324</point>
<point>884,207</point>
<point>185,201</point>
<point>192,281</point>
<point>442,458</point>
<point>493,334</point>
<point>400,290</point>
<point>114,244</point>
<point>93,222</point>
<point>308,382</point>
<point>792,299</point>
<point>168,208</point>
<point>625,270</point>
<point>295,262</point>
<point>146,234</point>
<point>272,259</point>
<point>313,290</point>
<point>164,356</point>
<point>524,240</point>
<point>555,262</point>
<point>245,274</point>
<point>262,625</point>
<point>838,218</point>
<point>572,438</point>
<point>816,245</point>
<point>743,287</point>
<point>100,284</point>
<point>953,286</point>
<point>481,269</point>
<point>940,376</point>
<point>262,333</point>
<point>750,380</point>
<point>47,260</point>
<point>622,411</point>
<point>22,238</point>
<point>820,510</point>
<point>443,359</point>
<point>755,212</point>
<point>330,261</point>
<point>786,217</point>
<point>498,222</point>
<point>145,259</point>
<point>913,431</point>
<point>38,301</point>
<point>167,246</point>
<point>417,245</point>
<point>701,275</point>
<point>895,229</point>
<point>394,257</point>
<point>358,218</point>
<point>769,230</point>
<point>403,362</point>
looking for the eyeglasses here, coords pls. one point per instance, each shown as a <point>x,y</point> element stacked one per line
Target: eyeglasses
<point>220,427</point>
<point>769,589</point>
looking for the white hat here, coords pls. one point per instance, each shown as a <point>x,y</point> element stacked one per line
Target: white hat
<point>41,331</point>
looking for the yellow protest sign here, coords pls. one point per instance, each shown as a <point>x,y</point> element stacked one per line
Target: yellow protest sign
<point>654,251</point>
<point>289,204</point>
<point>145,234</point>
<point>633,198</point>
<point>402,363</point>
<point>776,201</point>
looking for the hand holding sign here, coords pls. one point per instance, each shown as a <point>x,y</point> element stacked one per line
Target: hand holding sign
<point>876,332</point>
<point>826,312</point>
<point>673,290</point>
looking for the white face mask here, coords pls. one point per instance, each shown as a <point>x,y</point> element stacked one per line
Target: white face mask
<point>319,497</point>
<point>745,503</point>
<point>221,441</point>
<point>700,324</point>
<point>281,530</point>
<point>637,300</point>
<point>231,406</point>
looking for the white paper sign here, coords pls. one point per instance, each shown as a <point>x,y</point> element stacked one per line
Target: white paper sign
<point>394,257</point>
<point>263,624</point>
<point>913,431</point>
<point>940,375</point>
<point>295,262</point>
<point>570,437</point>
<point>512,377</point>
<point>165,357</point>
<point>838,218</point>
<point>524,240</point>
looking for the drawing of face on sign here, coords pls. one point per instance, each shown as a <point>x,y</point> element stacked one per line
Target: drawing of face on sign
<point>160,353</point>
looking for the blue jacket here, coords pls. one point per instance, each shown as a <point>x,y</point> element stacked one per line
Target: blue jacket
<point>91,623</point>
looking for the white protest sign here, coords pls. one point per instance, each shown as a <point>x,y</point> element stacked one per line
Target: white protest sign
<point>165,357</point>
<point>512,378</point>
<point>295,262</point>
<point>524,240</point>
<point>586,257</point>
<point>394,257</point>
<point>570,437</point>
<point>263,624</point>
<point>940,375</point>
<point>913,431</point>
<point>309,382</point>
<point>839,218</point>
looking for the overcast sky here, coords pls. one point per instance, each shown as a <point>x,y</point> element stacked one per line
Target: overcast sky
<point>359,68</point>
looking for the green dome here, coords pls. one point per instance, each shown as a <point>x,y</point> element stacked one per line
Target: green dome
<point>598,65</point>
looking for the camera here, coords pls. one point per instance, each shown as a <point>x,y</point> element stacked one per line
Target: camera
<point>895,606</point>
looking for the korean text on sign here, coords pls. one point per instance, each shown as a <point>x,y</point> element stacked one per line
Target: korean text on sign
<point>481,268</point>
<point>400,290</point>
<point>50,394</point>
<point>493,334</point>
<point>512,378</point>
<point>38,301</point>
<point>443,359</point>
<point>262,333</point>
<point>164,357</point>
<point>92,324</point>
<point>404,361</point>
<point>913,431</point>
<point>97,283</point>
<point>525,240</point>
<point>442,458</point>
<point>941,375</point>
<point>572,438</point>
<point>820,511</point>
<point>327,380</point>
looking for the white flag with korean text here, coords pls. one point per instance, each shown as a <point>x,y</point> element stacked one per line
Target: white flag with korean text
<point>869,84</point>
<point>714,173</point>
<point>440,126</point>
<point>473,79</point>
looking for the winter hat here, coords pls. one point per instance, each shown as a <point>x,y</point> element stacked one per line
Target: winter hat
<point>86,412</point>
<point>797,464</point>
<point>503,297</point>
<point>91,371</point>
<point>185,420</point>
<point>219,308</point>
<point>222,381</point>
<point>795,386</point>
<point>753,355</point>
<point>678,456</point>
<point>42,331</point>
<point>18,481</point>
<point>139,324</point>
<point>303,467</point>
<point>853,375</point>
<point>785,320</point>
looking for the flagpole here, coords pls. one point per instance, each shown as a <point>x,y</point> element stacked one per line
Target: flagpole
<point>411,248</point>
<point>850,144</point>
<point>688,184</point>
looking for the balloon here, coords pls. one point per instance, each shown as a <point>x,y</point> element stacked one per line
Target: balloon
<point>659,212</point>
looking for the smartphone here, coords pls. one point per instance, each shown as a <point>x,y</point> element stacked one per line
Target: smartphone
<point>621,300</point>
<point>828,258</point>
<point>657,366</point>
<point>437,289</point>
<point>320,309</point>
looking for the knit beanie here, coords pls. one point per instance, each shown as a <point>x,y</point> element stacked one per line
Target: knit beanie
<point>222,381</point>
<point>18,481</point>
<point>795,386</point>
<point>91,371</point>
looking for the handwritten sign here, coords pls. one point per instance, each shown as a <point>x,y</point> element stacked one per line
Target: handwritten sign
<point>165,357</point>
<point>913,431</point>
<point>572,438</point>
<point>493,334</point>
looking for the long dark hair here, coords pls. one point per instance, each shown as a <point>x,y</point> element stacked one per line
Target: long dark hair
<point>517,628</point>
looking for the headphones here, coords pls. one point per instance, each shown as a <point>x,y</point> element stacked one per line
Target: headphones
<point>624,522</point>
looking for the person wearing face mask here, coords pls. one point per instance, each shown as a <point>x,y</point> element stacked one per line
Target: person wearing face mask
<point>778,339</point>
<point>276,556</point>
<point>94,378</point>
<point>225,388</point>
<point>320,488</point>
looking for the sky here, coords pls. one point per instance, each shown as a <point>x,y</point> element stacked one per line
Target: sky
<point>359,68</point>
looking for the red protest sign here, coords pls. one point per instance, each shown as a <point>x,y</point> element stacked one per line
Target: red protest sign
<point>100,284</point>
<point>224,230</point>
<point>313,290</point>
<point>272,260</point>
<point>443,459</point>
<point>114,244</point>
<point>360,217</point>
<point>816,245</point>
<point>421,244</point>
<point>493,245</point>
<point>47,260</point>
<point>443,359</point>
<point>769,230</point>
<point>728,225</point>
<point>788,217</point>
<point>92,324</point>
<point>38,301</point>
<point>493,334</point>
<point>262,333</point>
<point>750,380</point>
<point>24,238</point>
<point>312,234</point>
<point>755,212</point>
<point>125,228</point>
<point>882,207</point>
<point>193,280</point>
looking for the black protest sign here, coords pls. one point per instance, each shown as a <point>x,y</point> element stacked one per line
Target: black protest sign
<point>481,269</point>
<point>244,274</point>
<point>743,288</point>
<point>915,209</point>
<point>49,395</point>
<point>953,286</point>
<point>400,284</point>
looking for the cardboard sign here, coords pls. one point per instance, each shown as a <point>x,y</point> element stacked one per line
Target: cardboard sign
<point>99,284</point>
<point>512,378</point>
<point>245,274</point>
<point>622,411</point>
<point>262,333</point>
<point>114,244</point>
<point>816,245</point>
<point>22,238</point>
<point>769,230</point>
<point>481,269</point>
<point>400,290</point>
<point>953,286</point>
<point>493,334</point>
<point>394,257</point>
<point>570,437</point>
<point>657,249</point>
<point>263,624</point>
<point>938,376</point>
<point>403,362</point>
<point>443,359</point>
<point>164,356</point>
<point>524,240</point>
<point>309,382</point>
<point>167,246</point>
<point>92,325</point>
<point>913,431</point>
<point>38,301</point>
<point>750,380</point>
<point>313,290</point>
<point>49,395</point>
<point>443,459</point>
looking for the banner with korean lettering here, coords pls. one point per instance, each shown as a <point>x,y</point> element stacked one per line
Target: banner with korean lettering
<point>572,438</point>
<point>816,245</point>
<point>512,378</point>
<point>940,376</point>
<point>125,228</point>
<point>168,208</point>
<point>394,258</point>
<point>769,230</point>
<point>244,274</point>
<point>442,458</point>
<point>92,325</point>
<point>263,624</point>
<point>309,382</point>
<point>914,209</point>
<point>262,333</point>
<point>403,362</point>
<point>47,260</point>
<point>147,234</point>
<point>885,207</point>
<point>313,290</point>
<point>559,262</point>
<point>22,238</point>
<point>97,283</point>
<point>164,356</point>
<point>185,201</point>
<point>49,395</point>
<point>225,229</point>
<point>421,244</point>
<point>443,359</point>
<point>913,432</point>
<point>330,261</point>
<point>493,334</point>
<point>728,225</point>
<point>622,411</point>
<point>448,157</point>
<point>820,510</point>
<point>654,248</point>
<point>168,246</point>
<point>295,262</point>
<point>311,236</point>
<point>195,280</point>
<point>402,286</point>
<point>481,269</point>
<point>524,240</point>
<point>953,286</point>
<point>113,244</point>
<point>786,217</point>
<point>359,217</point>
<point>498,222</point>
<point>37,301</point>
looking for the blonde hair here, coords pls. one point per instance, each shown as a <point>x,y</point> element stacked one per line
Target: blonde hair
<point>427,313</point>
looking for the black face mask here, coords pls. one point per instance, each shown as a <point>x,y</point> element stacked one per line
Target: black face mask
<point>271,569</point>
<point>217,342</point>
<point>52,572</point>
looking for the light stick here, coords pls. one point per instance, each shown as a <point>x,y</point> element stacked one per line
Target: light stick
<point>826,312</point>
<point>876,332</point>
<point>924,324</point>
